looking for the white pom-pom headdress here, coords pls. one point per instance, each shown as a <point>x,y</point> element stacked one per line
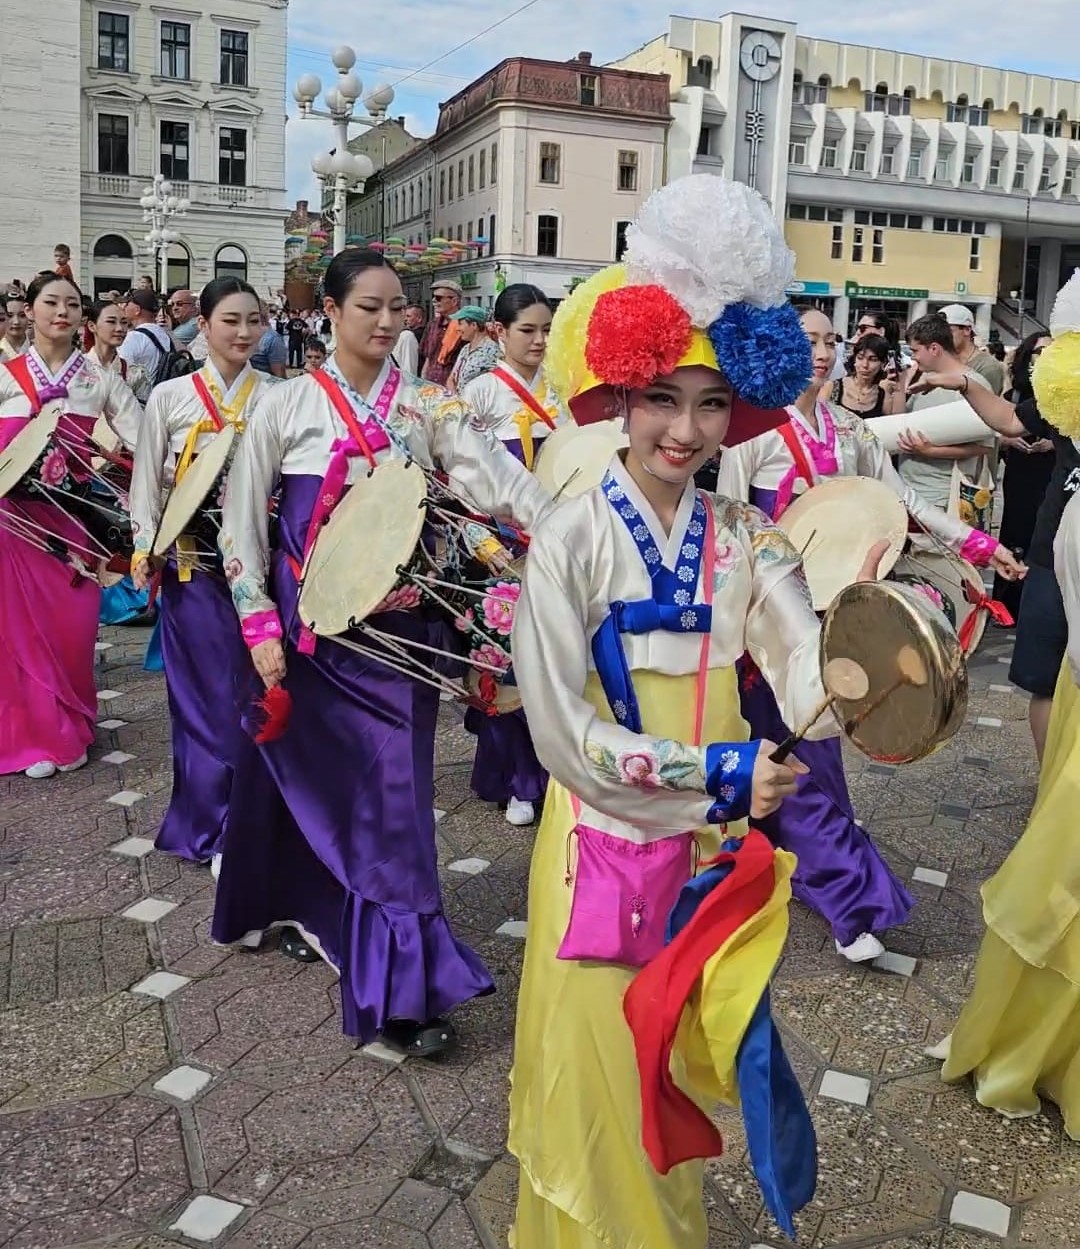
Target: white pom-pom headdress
<point>710,243</point>
<point>705,283</point>
<point>1065,318</point>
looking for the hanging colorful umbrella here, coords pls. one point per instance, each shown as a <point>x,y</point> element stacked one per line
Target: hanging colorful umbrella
<point>398,242</point>
<point>478,240</point>
<point>377,247</point>
<point>438,242</point>
<point>356,240</point>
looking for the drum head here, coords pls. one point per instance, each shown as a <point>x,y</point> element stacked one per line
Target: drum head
<point>371,533</point>
<point>947,574</point>
<point>190,492</point>
<point>26,448</point>
<point>835,524</point>
<point>106,437</point>
<point>886,627</point>
<point>507,697</point>
<point>575,458</point>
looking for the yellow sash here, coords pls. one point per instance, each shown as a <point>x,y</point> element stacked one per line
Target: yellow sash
<point>230,413</point>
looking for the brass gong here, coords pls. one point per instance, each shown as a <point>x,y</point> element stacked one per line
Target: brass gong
<point>916,689</point>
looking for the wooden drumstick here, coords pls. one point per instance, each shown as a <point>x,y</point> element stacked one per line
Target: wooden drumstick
<point>912,671</point>
<point>842,678</point>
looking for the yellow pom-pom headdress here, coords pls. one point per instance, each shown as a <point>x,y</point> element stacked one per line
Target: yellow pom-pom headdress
<point>1056,374</point>
<point>704,283</point>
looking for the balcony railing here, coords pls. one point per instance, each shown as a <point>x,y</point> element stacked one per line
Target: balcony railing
<point>206,194</point>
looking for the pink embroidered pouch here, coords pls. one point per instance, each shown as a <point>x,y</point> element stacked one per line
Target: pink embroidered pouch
<point>623,894</point>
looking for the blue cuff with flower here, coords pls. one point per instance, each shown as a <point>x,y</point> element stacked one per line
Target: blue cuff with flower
<point>729,777</point>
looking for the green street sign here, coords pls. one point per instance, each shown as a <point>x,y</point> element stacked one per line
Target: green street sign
<point>854,290</point>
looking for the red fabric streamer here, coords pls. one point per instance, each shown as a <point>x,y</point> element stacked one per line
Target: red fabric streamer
<point>275,707</point>
<point>981,602</point>
<point>636,334</point>
<point>673,1128</point>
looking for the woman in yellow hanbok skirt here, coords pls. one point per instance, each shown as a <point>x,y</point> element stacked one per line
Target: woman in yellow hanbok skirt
<point>639,596</point>
<point>1018,1036</point>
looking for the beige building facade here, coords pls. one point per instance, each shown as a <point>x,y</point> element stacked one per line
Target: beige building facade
<point>905,182</point>
<point>540,164</point>
<point>196,92</point>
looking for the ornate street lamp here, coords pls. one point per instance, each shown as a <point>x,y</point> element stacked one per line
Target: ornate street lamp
<point>160,205</point>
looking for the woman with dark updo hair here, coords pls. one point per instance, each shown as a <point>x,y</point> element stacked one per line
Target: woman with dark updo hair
<point>183,414</point>
<point>521,408</point>
<point>49,593</point>
<point>335,830</point>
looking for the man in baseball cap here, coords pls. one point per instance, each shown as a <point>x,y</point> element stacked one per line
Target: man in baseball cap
<point>961,321</point>
<point>442,342</point>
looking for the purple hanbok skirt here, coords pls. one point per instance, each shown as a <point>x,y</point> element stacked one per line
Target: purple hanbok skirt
<point>333,826</point>
<point>840,872</point>
<point>207,669</point>
<point>505,765</point>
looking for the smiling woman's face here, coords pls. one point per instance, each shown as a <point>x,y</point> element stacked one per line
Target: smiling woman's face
<point>676,424</point>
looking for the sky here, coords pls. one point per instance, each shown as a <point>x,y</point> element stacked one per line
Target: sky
<point>414,44</point>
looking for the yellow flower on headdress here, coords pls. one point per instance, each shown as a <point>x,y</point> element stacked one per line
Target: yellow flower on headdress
<point>564,364</point>
<point>1056,381</point>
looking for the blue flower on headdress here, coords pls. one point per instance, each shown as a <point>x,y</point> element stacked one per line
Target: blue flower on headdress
<point>764,353</point>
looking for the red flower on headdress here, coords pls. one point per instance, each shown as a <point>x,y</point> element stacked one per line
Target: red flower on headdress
<point>636,334</point>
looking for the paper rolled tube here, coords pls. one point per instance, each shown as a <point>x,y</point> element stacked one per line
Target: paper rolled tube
<point>944,425</point>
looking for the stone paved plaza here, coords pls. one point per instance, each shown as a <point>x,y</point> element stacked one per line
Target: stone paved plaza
<point>156,1090</point>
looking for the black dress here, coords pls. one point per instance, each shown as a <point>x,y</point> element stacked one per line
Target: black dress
<point>1024,485</point>
<point>866,413</point>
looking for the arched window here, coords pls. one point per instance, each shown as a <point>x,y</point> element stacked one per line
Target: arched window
<point>700,74</point>
<point>178,268</point>
<point>231,261</point>
<point>112,247</point>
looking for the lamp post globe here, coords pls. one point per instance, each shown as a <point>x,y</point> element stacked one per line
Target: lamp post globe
<point>344,58</point>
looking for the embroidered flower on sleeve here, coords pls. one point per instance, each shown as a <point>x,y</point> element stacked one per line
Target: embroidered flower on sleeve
<point>652,556</point>
<point>688,619</point>
<point>686,574</point>
<point>638,768</point>
<point>727,794</point>
<point>690,550</point>
<point>621,710</point>
<point>234,568</point>
<point>695,529</point>
<point>641,532</point>
<point>682,598</point>
<point>729,761</point>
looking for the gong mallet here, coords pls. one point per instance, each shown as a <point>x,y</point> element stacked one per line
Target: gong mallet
<point>912,671</point>
<point>842,678</point>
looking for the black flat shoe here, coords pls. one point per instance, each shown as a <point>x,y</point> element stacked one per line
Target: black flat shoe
<point>421,1040</point>
<point>293,945</point>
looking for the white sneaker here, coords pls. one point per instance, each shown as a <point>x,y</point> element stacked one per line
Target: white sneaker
<point>41,771</point>
<point>519,813</point>
<point>74,767</point>
<point>215,867</point>
<point>863,949</point>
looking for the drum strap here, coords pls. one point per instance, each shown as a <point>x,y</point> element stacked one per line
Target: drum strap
<point>522,420</point>
<point>19,368</point>
<point>798,453</point>
<point>344,409</point>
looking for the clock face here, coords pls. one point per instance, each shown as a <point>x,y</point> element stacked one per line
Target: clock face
<point>760,56</point>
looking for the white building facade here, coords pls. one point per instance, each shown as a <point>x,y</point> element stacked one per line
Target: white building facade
<point>40,106</point>
<point>195,92</point>
<point>904,181</point>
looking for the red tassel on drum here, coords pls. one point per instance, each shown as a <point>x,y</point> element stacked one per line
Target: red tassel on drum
<point>275,707</point>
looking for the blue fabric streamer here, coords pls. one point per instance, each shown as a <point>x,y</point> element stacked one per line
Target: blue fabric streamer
<point>122,602</point>
<point>780,1134</point>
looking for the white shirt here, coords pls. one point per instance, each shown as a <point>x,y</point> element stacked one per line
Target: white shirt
<point>407,353</point>
<point>138,349</point>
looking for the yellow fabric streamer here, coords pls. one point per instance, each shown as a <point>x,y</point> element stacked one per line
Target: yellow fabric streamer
<point>717,1016</point>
